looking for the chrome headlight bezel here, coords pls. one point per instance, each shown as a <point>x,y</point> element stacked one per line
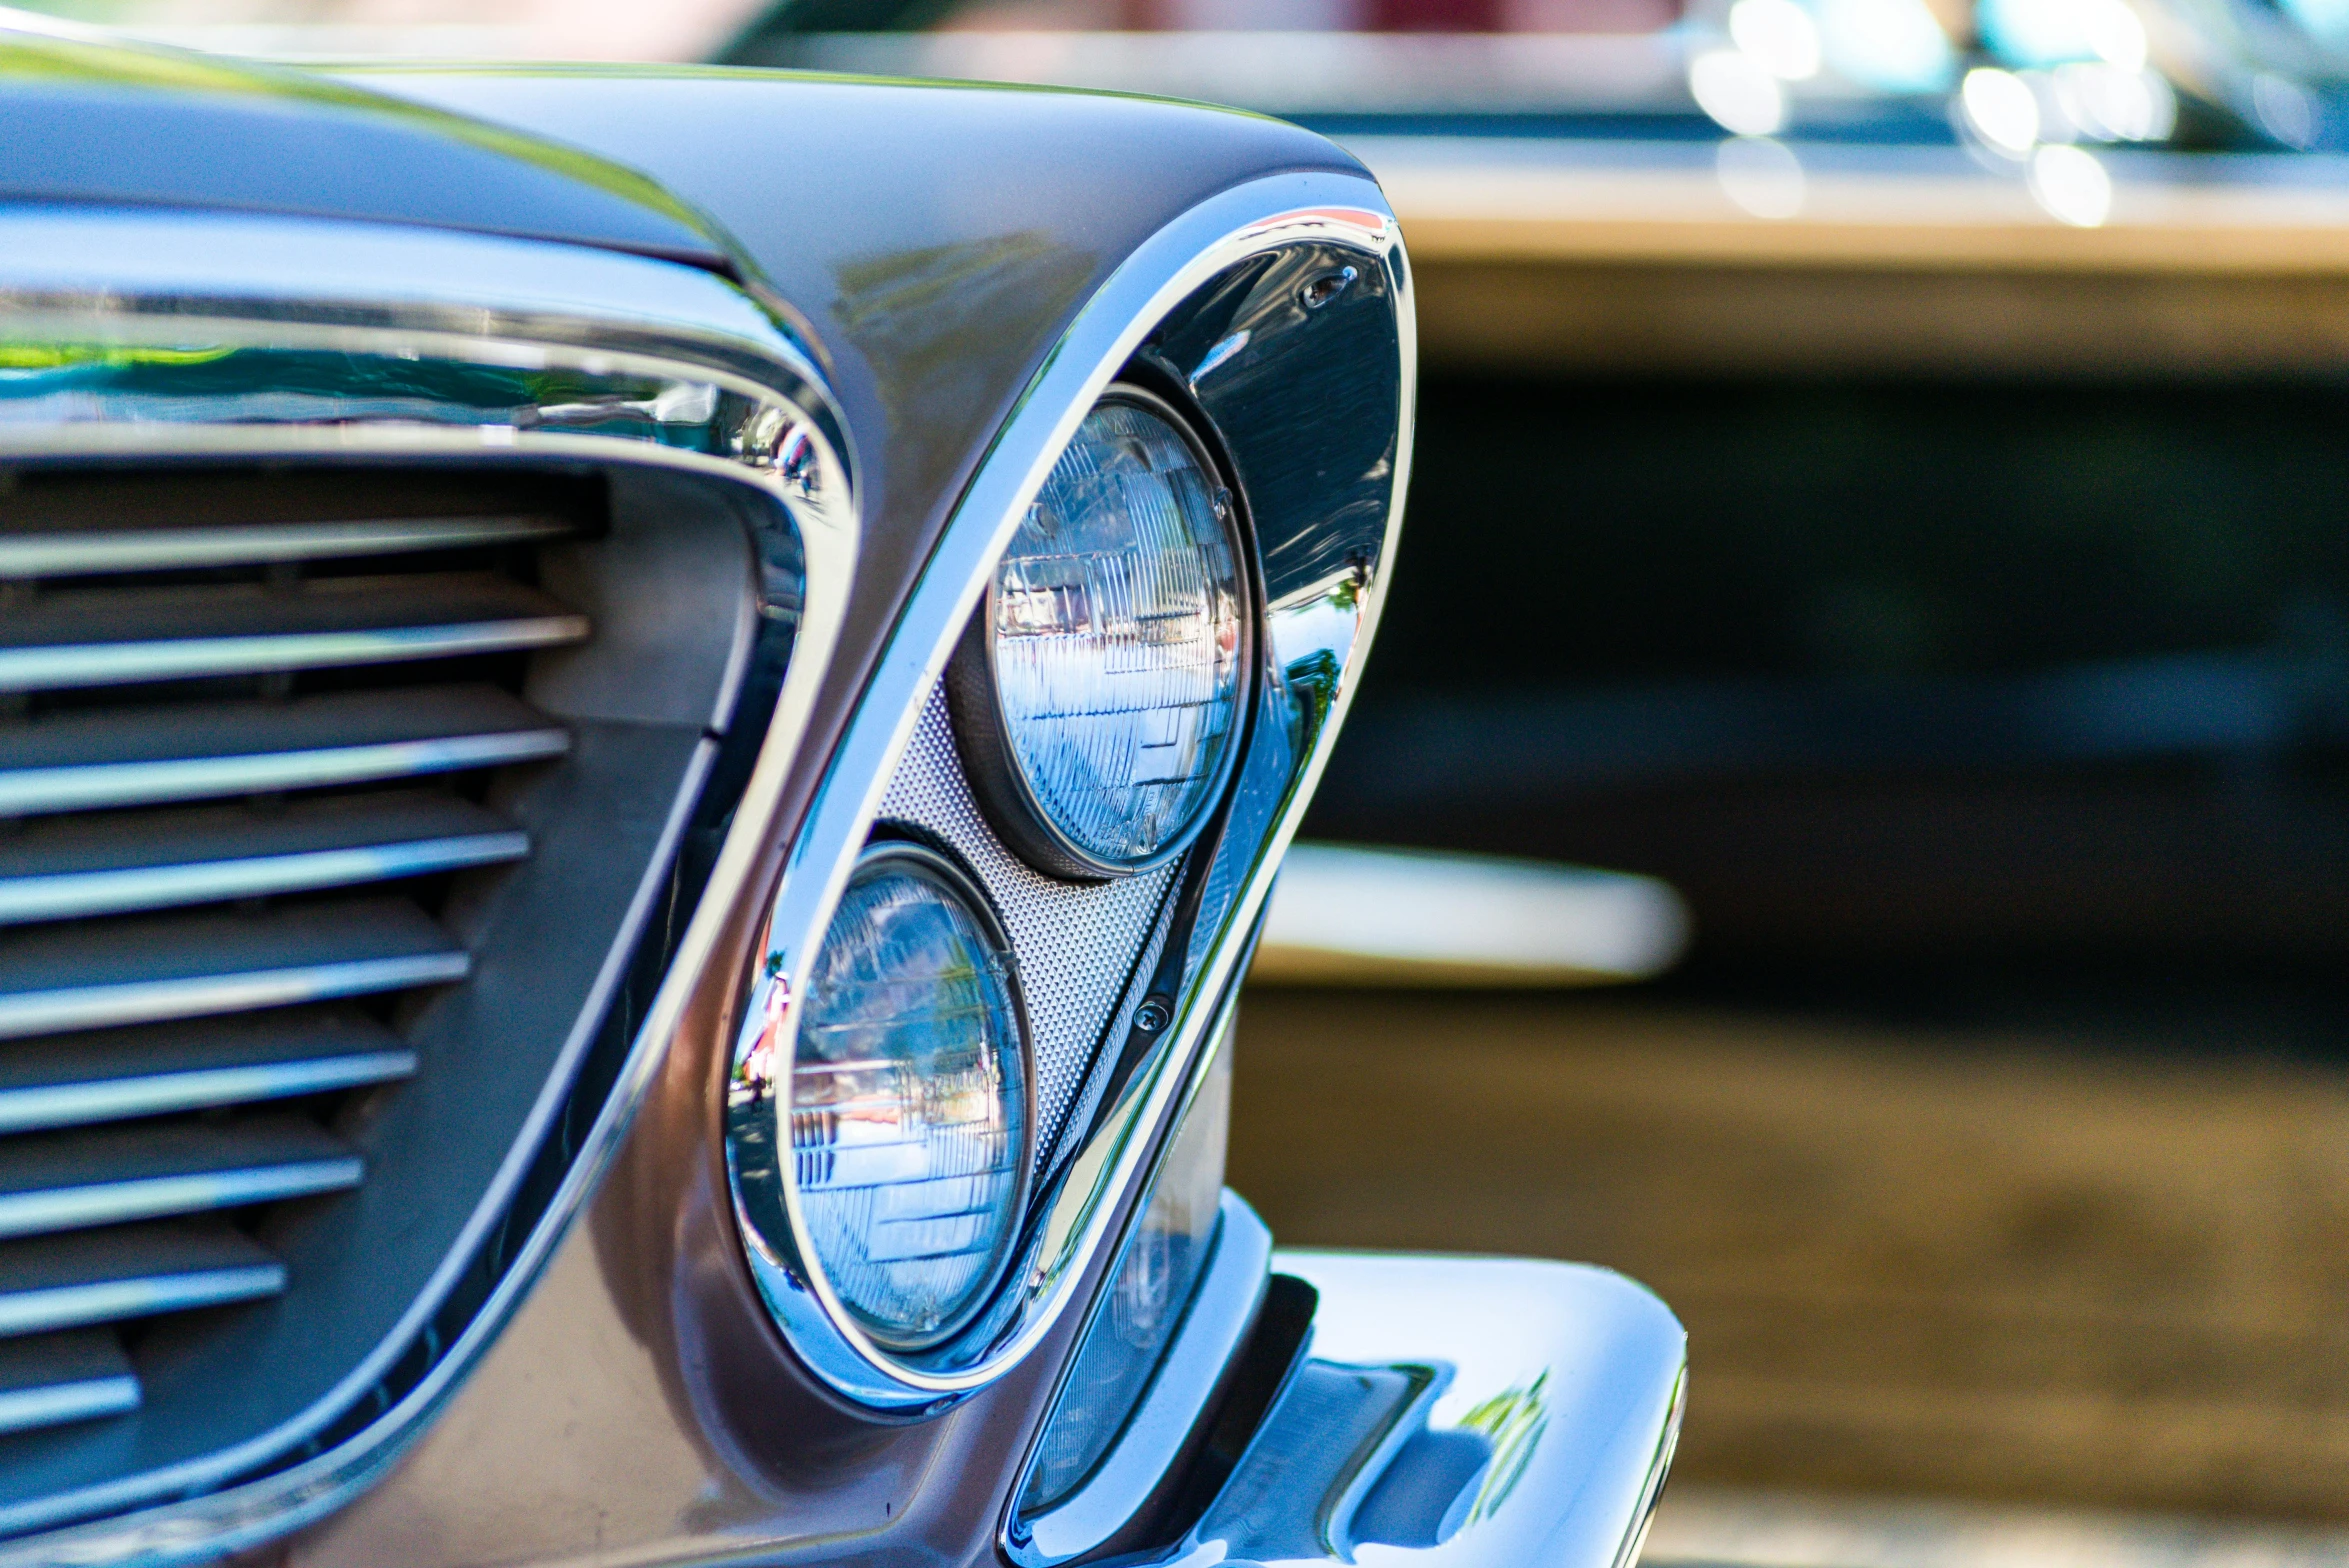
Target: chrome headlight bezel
<point>998,776</point>
<point>1306,626</point>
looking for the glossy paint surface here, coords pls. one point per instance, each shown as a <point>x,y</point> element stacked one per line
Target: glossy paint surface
<point>937,239</point>
<point>938,242</point>
<point>85,120</point>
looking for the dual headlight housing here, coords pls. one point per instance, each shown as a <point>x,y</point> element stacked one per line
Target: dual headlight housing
<point>1099,702</point>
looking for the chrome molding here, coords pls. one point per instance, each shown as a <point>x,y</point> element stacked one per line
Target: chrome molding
<point>35,1311</point>
<point>88,786</point>
<point>71,1207</point>
<point>60,665</point>
<point>1319,628</point>
<point>71,894</point>
<point>155,1093</point>
<point>1571,1378</point>
<point>155,1001</point>
<point>100,1385</point>
<point>130,550</point>
<point>610,358</point>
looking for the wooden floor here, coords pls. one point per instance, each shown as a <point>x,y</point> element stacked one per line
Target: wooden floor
<point>1965,1263</point>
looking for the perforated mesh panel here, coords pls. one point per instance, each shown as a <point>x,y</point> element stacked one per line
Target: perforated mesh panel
<point>1076,942</point>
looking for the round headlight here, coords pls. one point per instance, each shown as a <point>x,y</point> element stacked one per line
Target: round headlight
<point>910,1099</point>
<point>1099,693</point>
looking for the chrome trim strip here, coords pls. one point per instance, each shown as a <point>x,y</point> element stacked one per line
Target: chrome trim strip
<point>752,409</point>
<point>56,667</point>
<point>109,1301</point>
<point>150,1197</point>
<point>24,1408</point>
<point>93,552</point>
<point>483,287</point>
<point>194,996</point>
<point>52,1106</point>
<point>1635,1538</point>
<point>1214,1324</point>
<point>1248,219</point>
<point>26,791</point>
<point>68,895</point>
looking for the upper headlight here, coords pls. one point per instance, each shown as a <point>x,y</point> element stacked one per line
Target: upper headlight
<point>910,1099</point>
<point>1099,694</point>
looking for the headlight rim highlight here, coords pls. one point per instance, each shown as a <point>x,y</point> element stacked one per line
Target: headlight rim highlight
<point>998,778</point>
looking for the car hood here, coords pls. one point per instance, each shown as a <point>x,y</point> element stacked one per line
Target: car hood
<point>89,118</point>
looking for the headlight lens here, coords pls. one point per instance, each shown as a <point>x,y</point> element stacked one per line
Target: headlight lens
<point>1101,705</point>
<point>910,1099</point>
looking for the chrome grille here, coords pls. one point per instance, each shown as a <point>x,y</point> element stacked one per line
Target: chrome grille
<point>240,757</point>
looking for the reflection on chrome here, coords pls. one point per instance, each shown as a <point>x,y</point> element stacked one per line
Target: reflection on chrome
<point>152,332</point>
<point>1499,1411</point>
<point>1185,1294</point>
<point>1218,356</point>
<point>1513,1422</point>
<point>49,383</point>
<point>1311,630</point>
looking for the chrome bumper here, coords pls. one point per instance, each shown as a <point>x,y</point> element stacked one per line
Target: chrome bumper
<point>1465,1411</point>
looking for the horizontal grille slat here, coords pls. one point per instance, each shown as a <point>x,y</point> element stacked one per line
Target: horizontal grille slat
<point>74,1376</point>
<point>71,868</point>
<point>146,969</point>
<point>136,757</point>
<point>129,1271</point>
<point>105,1176</point>
<point>195,1064</point>
<point>97,549</point>
<point>106,637</point>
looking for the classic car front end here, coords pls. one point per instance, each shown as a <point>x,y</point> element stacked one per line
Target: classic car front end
<point>645,718</point>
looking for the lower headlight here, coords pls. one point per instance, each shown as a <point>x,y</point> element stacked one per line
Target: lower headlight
<point>1099,694</point>
<point>911,1112</point>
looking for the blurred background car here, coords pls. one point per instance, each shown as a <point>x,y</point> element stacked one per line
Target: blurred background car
<point>1926,426</point>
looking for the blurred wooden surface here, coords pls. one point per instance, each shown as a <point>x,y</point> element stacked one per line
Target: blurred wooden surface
<point>1645,263</point>
<point>1779,318</point>
<point>2013,1266</point>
